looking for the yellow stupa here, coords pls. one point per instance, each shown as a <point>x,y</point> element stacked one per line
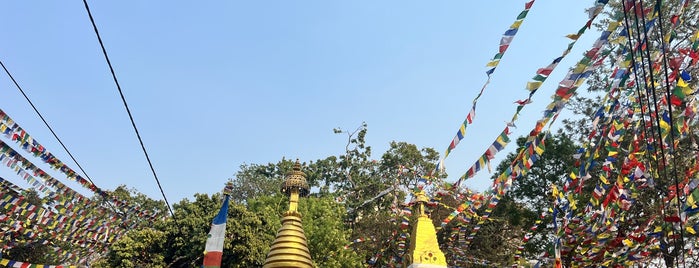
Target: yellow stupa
<point>290,249</point>
<point>424,247</point>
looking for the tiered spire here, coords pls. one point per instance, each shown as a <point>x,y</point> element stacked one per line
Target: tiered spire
<point>424,247</point>
<point>290,249</point>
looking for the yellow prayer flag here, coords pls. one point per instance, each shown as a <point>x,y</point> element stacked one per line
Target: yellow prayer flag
<point>618,40</point>
<point>531,86</point>
<point>613,25</point>
<point>538,150</point>
<point>687,90</point>
<point>516,24</point>
<point>618,125</point>
<point>493,63</point>
<point>627,242</point>
<point>554,190</point>
<point>579,82</point>
<point>4,262</point>
<point>690,230</point>
<point>681,83</point>
<point>573,36</point>
<point>580,68</point>
<point>691,201</point>
<point>573,202</point>
<point>664,125</point>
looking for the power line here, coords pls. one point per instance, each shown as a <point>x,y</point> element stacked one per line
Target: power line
<point>678,193</point>
<point>126,105</point>
<point>44,120</point>
<point>52,131</point>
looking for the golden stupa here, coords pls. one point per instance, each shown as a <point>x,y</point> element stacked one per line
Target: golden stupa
<point>424,247</point>
<point>290,249</point>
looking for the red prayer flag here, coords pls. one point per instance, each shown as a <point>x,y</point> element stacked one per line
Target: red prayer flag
<point>529,5</point>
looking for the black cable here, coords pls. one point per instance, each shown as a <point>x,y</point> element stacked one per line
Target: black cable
<point>651,87</point>
<point>640,42</point>
<point>657,115</point>
<point>635,73</point>
<point>672,125</point>
<point>44,120</point>
<point>54,133</point>
<point>128,111</point>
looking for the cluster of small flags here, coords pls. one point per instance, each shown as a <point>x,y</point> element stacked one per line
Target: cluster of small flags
<point>12,130</point>
<point>505,41</point>
<point>18,264</point>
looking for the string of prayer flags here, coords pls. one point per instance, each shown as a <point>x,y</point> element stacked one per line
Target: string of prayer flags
<point>484,160</point>
<point>507,38</point>
<point>504,181</point>
<point>11,129</point>
<point>574,79</point>
<point>505,42</point>
<point>19,264</point>
<point>62,224</point>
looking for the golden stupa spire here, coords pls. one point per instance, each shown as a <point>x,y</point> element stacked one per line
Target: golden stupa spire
<point>424,247</point>
<point>290,249</point>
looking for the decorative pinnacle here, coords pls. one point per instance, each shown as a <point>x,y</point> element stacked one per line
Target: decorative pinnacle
<point>228,189</point>
<point>295,179</point>
<point>420,201</point>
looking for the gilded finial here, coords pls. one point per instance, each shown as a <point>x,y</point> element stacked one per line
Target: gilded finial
<point>290,248</point>
<point>421,201</point>
<point>295,179</point>
<point>228,189</point>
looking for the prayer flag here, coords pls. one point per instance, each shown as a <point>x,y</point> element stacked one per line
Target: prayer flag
<point>213,252</point>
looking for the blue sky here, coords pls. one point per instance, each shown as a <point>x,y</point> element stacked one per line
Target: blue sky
<point>216,84</point>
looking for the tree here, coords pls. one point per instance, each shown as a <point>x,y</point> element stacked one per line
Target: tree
<point>555,164</point>
<point>138,248</point>
<point>255,180</point>
<point>645,91</point>
<point>323,224</point>
<point>370,191</point>
<point>42,248</point>
<point>246,242</point>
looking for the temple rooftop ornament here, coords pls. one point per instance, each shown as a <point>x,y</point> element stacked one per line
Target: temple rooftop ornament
<point>290,249</point>
<point>424,247</point>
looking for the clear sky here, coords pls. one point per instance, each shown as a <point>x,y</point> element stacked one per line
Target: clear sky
<point>216,84</point>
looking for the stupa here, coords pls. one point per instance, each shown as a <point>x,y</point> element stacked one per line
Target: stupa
<point>290,249</point>
<point>424,247</point>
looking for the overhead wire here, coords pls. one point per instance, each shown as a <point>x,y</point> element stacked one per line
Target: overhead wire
<point>41,116</point>
<point>44,120</point>
<point>660,141</point>
<point>638,81</point>
<point>126,105</point>
<point>640,43</point>
<point>663,50</point>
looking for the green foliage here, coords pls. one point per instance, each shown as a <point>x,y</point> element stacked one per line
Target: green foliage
<point>245,245</point>
<point>180,243</point>
<point>40,249</point>
<point>255,180</point>
<point>551,169</point>
<point>322,220</point>
<point>138,248</point>
<point>353,197</point>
